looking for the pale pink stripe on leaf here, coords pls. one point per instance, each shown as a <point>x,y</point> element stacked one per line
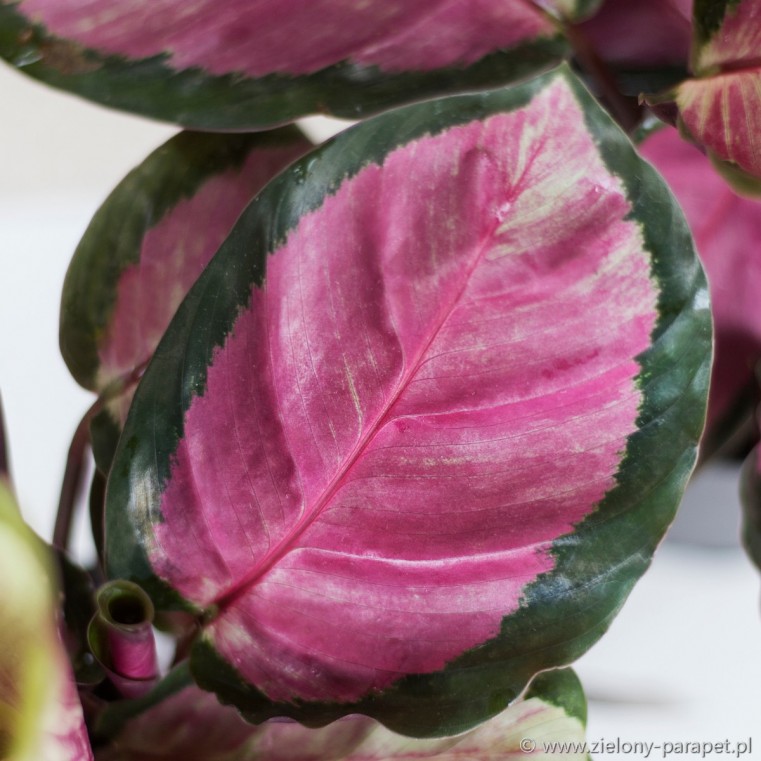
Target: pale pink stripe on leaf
<point>723,113</point>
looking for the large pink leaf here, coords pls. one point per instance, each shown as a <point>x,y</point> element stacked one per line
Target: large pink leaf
<point>727,230</point>
<point>397,402</point>
<point>399,383</point>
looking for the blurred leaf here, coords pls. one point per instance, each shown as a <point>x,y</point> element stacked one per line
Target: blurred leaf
<point>727,231</point>
<point>40,714</point>
<point>721,107</point>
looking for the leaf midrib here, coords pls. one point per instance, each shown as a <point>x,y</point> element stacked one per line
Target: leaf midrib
<point>273,557</point>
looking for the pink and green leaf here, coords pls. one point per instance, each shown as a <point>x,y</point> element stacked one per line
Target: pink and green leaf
<point>250,65</point>
<point>727,231</point>
<point>720,108</point>
<point>147,245</point>
<point>727,35</point>
<point>40,713</point>
<point>182,721</point>
<point>723,113</point>
<point>416,430</point>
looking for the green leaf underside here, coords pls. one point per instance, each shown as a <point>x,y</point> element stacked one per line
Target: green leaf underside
<point>596,566</point>
<point>196,99</point>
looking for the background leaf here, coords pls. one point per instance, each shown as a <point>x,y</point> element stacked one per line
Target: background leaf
<point>721,107</point>
<point>40,713</point>
<point>146,246</point>
<point>250,65</point>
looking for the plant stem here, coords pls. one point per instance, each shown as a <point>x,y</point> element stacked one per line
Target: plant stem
<point>5,467</point>
<point>73,477</point>
<point>625,109</point>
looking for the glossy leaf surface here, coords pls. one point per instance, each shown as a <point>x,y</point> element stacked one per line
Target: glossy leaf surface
<point>727,231</point>
<point>237,65</point>
<point>414,433</point>
<point>40,714</point>
<point>190,724</point>
<point>721,108</point>
<point>149,242</point>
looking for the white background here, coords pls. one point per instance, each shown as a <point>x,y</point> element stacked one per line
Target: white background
<point>681,663</point>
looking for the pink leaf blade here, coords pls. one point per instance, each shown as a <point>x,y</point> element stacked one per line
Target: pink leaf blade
<point>440,386</point>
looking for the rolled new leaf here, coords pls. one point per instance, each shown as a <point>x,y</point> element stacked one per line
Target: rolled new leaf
<point>178,720</point>
<point>418,427</point>
<point>121,637</point>
<point>727,231</point>
<point>249,65</point>
<point>40,713</point>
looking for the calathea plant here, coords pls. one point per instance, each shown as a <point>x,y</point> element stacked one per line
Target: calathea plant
<point>386,429</point>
